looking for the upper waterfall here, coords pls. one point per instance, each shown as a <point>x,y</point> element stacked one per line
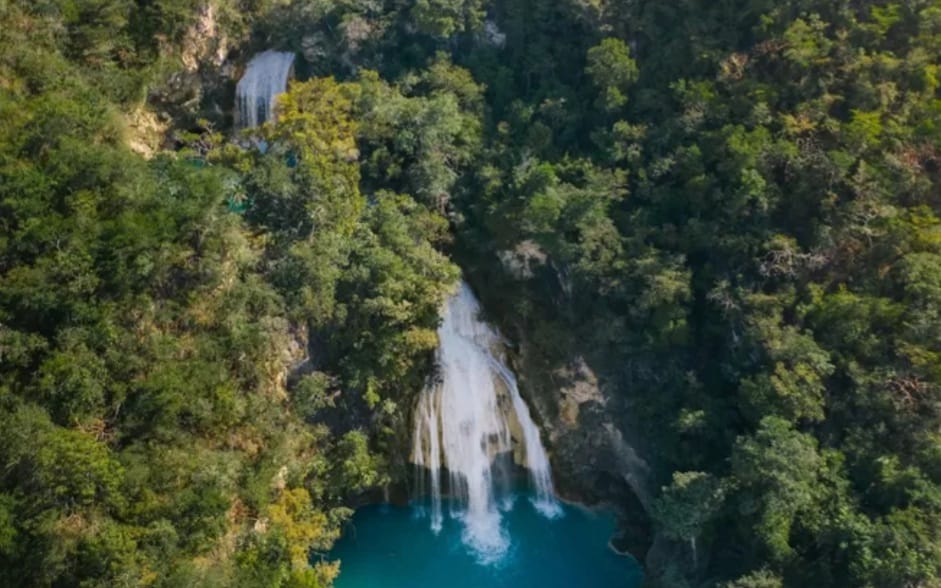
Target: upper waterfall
<point>265,77</point>
<point>466,420</point>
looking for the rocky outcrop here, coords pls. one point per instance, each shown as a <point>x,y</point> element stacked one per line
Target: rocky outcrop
<point>521,261</point>
<point>592,462</point>
<point>146,132</point>
<point>200,87</point>
<point>204,42</point>
<point>574,392</point>
<point>587,429</point>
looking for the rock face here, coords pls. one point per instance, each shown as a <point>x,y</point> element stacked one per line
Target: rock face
<point>592,462</point>
<point>521,261</point>
<point>204,42</point>
<point>586,420</point>
<point>146,131</point>
<point>201,87</point>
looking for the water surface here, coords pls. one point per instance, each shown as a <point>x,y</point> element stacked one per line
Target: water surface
<point>394,547</point>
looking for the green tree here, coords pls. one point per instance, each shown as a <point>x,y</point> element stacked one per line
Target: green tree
<point>687,505</point>
<point>613,71</point>
<point>778,470</point>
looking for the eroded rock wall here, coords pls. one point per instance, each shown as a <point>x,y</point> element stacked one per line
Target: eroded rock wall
<point>592,461</point>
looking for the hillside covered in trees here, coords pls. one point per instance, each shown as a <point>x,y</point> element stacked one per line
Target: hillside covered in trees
<point>730,209</point>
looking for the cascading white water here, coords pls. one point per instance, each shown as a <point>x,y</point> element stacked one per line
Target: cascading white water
<point>466,419</point>
<point>265,77</point>
<point>537,462</point>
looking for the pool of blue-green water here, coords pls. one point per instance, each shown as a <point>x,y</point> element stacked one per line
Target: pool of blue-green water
<point>394,547</point>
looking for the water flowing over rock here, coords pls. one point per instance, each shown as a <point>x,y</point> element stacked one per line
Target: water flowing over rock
<point>265,77</point>
<point>468,422</point>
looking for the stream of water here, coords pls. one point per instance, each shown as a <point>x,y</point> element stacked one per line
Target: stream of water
<point>469,424</point>
<point>467,527</point>
<point>472,431</point>
<point>265,77</point>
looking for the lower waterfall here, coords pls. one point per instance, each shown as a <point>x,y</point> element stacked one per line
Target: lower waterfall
<point>467,422</point>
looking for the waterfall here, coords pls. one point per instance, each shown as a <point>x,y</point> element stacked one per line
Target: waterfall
<point>464,422</point>
<point>265,77</point>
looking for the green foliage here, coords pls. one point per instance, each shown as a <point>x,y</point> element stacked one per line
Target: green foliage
<point>312,207</point>
<point>356,469</point>
<point>311,394</point>
<point>689,503</point>
<point>8,532</point>
<point>761,274</point>
<point>149,337</point>
<point>729,210</point>
<point>778,472</point>
<point>613,71</point>
<point>794,387</point>
<point>444,18</point>
<point>392,291</point>
<point>419,137</point>
<point>759,579</point>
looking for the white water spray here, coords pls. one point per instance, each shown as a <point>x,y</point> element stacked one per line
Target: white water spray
<point>265,77</point>
<point>466,420</point>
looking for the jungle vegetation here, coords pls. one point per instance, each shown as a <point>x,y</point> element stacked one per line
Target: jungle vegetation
<point>730,208</point>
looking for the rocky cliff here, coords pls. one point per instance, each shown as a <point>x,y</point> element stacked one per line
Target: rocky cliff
<point>585,415</point>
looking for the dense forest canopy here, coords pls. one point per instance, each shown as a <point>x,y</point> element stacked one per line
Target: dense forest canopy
<point>208,351</point>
